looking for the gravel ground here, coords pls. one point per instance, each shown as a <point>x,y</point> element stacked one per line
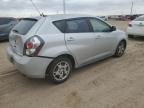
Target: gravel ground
<point>111,83</point>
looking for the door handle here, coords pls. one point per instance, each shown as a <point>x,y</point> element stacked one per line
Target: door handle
<point>71,39</point>
<point>141,24</point>
<point>98,37</point>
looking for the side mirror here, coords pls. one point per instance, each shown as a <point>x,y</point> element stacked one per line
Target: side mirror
<point>113,28</point>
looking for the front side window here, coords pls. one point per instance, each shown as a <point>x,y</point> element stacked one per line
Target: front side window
<point>77,26</point>
<point>99,26</point>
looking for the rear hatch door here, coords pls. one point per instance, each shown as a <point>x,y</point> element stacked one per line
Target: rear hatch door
<point>19,33</point>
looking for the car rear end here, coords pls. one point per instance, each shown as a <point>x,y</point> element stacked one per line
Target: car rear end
<point>136,27</point>
<point>24,48</point>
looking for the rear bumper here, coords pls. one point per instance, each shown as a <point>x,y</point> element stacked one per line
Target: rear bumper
<point>34,67</point>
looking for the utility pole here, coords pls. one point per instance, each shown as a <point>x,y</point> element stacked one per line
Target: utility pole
<point>64,7</point>
<point>132,3</point>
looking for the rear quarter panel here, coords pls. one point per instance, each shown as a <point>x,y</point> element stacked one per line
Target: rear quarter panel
<point>54,40</point>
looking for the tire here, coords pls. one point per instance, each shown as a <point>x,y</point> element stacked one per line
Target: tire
<point>59,70</point>
<point>120,49</point>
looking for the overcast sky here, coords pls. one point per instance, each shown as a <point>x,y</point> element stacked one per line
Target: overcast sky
<point>24,8</point>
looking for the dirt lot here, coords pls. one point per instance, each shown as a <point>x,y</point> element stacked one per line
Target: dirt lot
<point>112,83</point>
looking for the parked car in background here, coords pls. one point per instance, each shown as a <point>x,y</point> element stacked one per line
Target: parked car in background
<point>6,24</point>
<point>136,27</point>
<point>104,18</point>
<point>51,46</point>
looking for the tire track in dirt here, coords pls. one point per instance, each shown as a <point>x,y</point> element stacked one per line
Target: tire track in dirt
<point>7,73</point>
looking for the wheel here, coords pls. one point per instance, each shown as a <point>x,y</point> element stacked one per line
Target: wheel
<point>59,70</point>
<point>120,49</point>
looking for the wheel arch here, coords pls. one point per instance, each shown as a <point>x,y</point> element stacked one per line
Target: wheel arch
<point>124,40</point>
<point>69,56</point>
<point>118,42</point>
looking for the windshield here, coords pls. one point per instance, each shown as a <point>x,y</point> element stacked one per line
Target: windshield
<point>24,26</point>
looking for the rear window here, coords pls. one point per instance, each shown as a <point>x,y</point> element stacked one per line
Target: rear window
<point>5,21</point>
<point>72,25</point>
<point>60,25</point>
<point>139,19</point>
<point>24,26</point>
<point>77,26</point>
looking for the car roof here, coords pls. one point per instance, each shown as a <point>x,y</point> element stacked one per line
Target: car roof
<point>67,16</point>
<point>62,16</point>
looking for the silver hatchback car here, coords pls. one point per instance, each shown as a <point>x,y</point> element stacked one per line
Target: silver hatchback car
<point>51,46</point>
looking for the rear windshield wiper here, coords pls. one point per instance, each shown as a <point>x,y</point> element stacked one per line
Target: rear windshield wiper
<point>16,31</point>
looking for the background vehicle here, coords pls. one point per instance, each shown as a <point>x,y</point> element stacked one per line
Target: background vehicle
<point>136,27</point>
<point>52,46</point>
<point>104,18</point>
<point>6,24</point>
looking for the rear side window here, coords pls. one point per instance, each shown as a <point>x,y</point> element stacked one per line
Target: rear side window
<point>77,26</point>
<point>24,26</point>
<point>139,19</point>
<point>5,21</point>
<point>60,25</point>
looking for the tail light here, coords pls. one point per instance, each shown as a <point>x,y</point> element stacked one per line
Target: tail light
<point>130,25</point>
<point>33,45</point>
